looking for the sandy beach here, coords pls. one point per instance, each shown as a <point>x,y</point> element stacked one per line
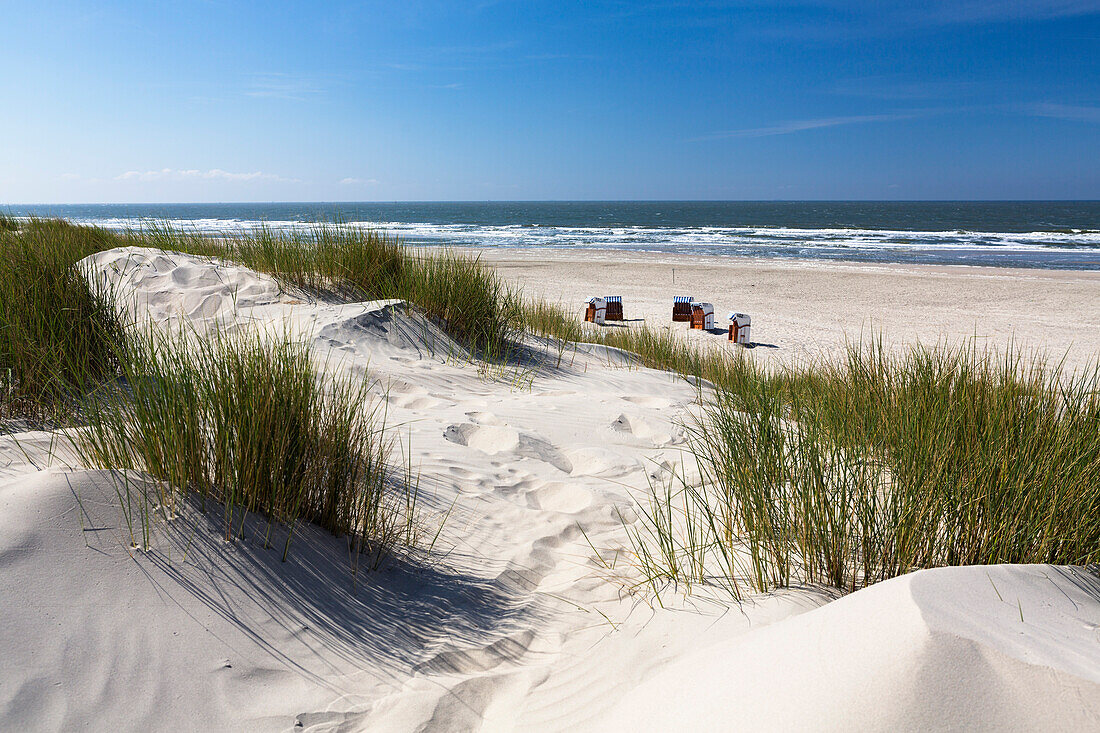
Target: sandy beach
<point>529,615</point>
<point>804,310</point>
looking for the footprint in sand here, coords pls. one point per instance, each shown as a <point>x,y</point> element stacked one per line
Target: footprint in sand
<point>652,401</point>
<point>208,307</point>
<point>482,703</point>
<point>663,471</point>
<point>413,397</point>
<point>460,472</point>
<point>481,417</point>
<point>494,439</point>
<point>414,402</point>
<point>491,439</point>
<point>598,462</point>
<point>649,432</point>
<point>567,498</point>
<point>195,277</point>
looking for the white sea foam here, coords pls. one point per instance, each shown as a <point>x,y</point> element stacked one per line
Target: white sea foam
<point>748,240</point>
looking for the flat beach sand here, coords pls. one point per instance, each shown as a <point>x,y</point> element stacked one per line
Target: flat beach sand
<point>804,309</point>
<point>529,614</point>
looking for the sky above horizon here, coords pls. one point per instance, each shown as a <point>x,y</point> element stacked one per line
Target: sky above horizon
<point>525,100</point>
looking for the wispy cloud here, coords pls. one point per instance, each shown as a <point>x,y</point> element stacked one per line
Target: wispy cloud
<point>1066,112</point>
<point>459,58</point>
<point>836,20</point>
<point>793,126</point>
<point>938,12</point>
<point>352,181</point>
<point>561,57</point>
<point>980,11</point>
<point>193,174</point>
<point>893,88</point>
<point>475,50</point>
<point>932,10</point>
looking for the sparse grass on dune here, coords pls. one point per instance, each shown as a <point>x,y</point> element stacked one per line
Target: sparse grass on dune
<point>468,299</point>
<point>246,423</point>
<point>326,259</point>
<point>847,474</point>
<point>854,473</point>
<point>242,422</point>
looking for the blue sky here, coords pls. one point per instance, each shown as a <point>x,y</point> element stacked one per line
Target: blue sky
<point>507,100</point>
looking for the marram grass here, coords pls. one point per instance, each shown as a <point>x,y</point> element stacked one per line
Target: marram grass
<point>245,424</point>
<point>467,299</point>
<point>57,335</point>
<point>347,263</point>
<point>849,474</point>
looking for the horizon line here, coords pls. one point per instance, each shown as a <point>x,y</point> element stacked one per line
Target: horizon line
<point>552,201</point>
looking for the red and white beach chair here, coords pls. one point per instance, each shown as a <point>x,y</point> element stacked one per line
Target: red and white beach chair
<point>702,316</point>
<point>596,310</point>
<point>740,328</point>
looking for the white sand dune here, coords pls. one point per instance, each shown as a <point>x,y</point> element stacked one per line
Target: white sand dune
<point>513,624</point>
<point>1006,647</point>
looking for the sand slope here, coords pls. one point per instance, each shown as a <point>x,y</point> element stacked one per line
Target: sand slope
<point>513,625</point>
<point>976,648</point>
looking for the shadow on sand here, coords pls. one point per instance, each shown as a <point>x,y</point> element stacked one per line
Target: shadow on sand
<point>311,613</point>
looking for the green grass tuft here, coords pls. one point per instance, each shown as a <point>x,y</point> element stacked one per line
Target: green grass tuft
<point>850,474</point>
<point>246,423</point>
<point>57,335</point>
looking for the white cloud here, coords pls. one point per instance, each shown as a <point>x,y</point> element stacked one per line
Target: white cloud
<point>977,11</point>
<point>952,12</point>
<point>351,181</point>
<point>192,174</point>
<point>786,128</point>
<point>1067,112</point>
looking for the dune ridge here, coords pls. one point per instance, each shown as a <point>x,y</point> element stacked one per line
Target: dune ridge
<point>514,624</point>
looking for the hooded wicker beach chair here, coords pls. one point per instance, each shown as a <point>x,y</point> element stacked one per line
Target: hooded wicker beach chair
<point>614,308</point>
<point>740,328</point>
<point>596,310</point>
<point>681,307</point>
<point>702,315</point>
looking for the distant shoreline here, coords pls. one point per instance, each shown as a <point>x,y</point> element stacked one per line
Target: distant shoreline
<point>810,310</point>
<point>1034,235</point>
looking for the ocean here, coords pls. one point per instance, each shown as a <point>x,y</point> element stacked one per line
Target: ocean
<point>1041,234</point>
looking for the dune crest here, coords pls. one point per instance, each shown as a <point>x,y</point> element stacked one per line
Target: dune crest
<point>1003,647</point>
